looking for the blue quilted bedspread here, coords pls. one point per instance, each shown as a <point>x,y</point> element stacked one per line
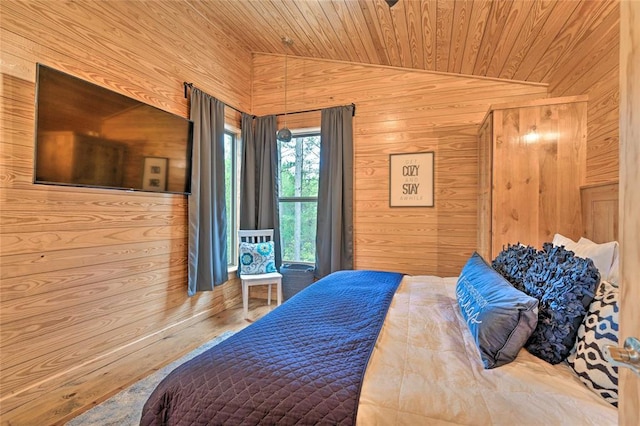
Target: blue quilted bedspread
<point>302,364</point>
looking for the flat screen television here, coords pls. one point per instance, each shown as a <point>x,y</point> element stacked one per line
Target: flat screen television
<point>90,136</point>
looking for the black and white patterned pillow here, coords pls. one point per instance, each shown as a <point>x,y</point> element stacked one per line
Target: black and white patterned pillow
<point>598,329</point>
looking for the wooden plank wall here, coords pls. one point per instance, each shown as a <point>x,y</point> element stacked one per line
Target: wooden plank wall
<point>90,276</point>
<point>629,410</point>
<point>398,111</point>
<point>536,183</point>
<point>485,186</point>
<point>593,73</point>
<point>601,212</point>
<point>571,45</point>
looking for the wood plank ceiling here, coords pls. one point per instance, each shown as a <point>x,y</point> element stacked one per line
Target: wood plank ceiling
<point>518,40</point>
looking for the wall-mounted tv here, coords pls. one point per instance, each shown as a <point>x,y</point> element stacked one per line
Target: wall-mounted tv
<point>90,136</point>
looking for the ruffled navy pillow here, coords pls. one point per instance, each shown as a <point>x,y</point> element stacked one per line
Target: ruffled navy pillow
<point>513,262</point>
<point>563,283</point>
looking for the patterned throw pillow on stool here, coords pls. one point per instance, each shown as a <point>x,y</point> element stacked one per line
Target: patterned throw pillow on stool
<point>257,258</point>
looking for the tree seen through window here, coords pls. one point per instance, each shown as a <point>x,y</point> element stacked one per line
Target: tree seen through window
<point>299,171</point>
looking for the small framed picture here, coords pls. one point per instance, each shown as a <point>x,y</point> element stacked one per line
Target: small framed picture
<point>411,180</point>
<point>154,177</point>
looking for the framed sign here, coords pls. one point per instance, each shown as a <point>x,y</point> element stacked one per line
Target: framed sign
<point>154,177</point>
<point>411,180</point>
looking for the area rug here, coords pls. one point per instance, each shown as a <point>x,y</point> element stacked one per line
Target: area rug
<point>124,408</point>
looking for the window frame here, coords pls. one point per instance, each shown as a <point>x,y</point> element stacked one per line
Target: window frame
<point>301,199</point>
<point>236,148</point>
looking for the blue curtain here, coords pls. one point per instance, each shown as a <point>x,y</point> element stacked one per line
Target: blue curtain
<point>334,237</point>
<point>207,205</point>
<point>259,208</point>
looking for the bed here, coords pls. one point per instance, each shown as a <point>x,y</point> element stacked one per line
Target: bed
<point>421,365</point>
<point>429,372</point>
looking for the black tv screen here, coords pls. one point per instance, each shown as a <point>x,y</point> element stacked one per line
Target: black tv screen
<point>87,135</point>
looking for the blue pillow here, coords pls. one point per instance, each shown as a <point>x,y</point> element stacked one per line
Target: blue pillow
<point>257,258</point>
<point>500,317</point>
<point>564,284</point>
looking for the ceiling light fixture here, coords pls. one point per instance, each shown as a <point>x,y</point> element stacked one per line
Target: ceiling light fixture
<point>391,3</point>
<point>284,134</point>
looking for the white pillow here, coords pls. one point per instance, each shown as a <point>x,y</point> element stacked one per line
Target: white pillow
<point>602,255</point>
<point>613,276</point>
<point>561,240</point>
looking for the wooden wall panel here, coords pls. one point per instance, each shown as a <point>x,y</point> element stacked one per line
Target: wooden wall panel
<point>485,177</point>
<point>600,212</point>
<point>90,246</point>
<point>536,169</point>
<point>92,276</point>
<point>571,45</point>
<point>593,73</point>
<point>398,111</point>
<point>629,410</point>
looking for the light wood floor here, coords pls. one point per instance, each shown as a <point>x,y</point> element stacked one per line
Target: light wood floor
<point>141,363</point>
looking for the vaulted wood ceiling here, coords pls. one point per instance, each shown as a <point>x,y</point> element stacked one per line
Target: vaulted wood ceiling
<point>520,40</point>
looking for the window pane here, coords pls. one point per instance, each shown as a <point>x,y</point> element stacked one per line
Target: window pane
<point>299,171</point>
<point>299,166</point>
<point>229,183</point>
<point>298,231</point>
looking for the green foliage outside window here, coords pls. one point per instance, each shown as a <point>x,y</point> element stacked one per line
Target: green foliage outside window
<point>231,176</point>
<point>299,171</point>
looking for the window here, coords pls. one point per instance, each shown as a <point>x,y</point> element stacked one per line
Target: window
<point>299,171</point>
<point>232,153</point>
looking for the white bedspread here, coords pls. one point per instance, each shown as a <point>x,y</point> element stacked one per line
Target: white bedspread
<point>426,370</point>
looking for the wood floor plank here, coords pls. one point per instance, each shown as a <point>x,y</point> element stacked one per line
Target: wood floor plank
<point>77,396</point>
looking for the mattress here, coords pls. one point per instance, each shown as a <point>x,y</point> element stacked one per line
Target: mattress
<point>426,369</point>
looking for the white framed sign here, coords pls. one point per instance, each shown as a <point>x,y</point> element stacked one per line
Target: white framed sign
<point>411,180</point>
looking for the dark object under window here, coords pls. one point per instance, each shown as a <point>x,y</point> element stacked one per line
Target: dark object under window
<point>295,278</point>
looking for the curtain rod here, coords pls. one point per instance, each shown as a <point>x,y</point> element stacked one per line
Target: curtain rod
<point>353,113</point>
<point>190,85</point>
